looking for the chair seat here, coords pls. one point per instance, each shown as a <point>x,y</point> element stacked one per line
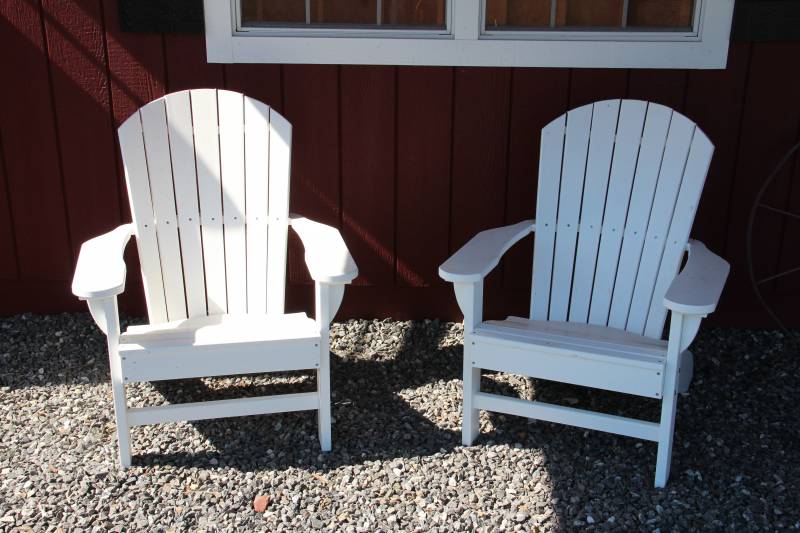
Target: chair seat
<point>569,352</point>
<point>220,345</point>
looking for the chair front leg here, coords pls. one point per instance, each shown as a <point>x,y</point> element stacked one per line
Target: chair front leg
<point>669,400</point>
<point>106,314</point>
<point>327,300</point>
<point>470,300</point>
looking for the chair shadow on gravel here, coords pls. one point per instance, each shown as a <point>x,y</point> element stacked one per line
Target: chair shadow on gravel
<point>371,420</point>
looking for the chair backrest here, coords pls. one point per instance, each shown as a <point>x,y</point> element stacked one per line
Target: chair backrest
<point>208,182</point>
<point>619,184</point>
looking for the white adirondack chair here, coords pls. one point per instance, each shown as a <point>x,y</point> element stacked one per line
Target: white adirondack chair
<point>619,183</point>
<point>208,181</point>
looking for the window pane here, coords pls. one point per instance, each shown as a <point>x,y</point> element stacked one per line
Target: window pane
<point>518,13</point>
<point>661,13</point>
<point>592,13</point>
<point>276,11</point>
<point>585,14</point>
<point>414,13</point>
<point>346,13</point>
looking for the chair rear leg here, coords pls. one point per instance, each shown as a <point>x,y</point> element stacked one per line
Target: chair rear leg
<point>471,426</point>
<point>324,393</point>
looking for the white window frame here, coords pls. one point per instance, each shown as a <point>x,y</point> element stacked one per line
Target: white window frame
<point>464,42</point>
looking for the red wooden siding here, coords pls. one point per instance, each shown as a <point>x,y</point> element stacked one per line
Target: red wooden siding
<point>408,162</point>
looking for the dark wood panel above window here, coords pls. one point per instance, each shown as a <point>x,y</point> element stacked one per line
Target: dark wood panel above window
<point>754,20</point>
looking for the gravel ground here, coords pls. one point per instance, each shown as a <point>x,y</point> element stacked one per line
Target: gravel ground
<point>397,462</point>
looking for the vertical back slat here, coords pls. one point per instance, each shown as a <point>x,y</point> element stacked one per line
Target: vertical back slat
<point>280,152</point>
<point>256,149</point>
<point>669,182</point>
<point>598,168</point>
<point>181,142</point>
<point>576,150</point>
<point>551,151</point>
<point>134,160</point>
<point>159,165</point>
<point>231,148</point>
<point>651,154</point>
<point>209,184</point>
<point>623,168</point>
<point>694,178</point>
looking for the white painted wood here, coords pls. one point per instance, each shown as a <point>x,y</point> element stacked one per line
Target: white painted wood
<point>519,352</point>
<point>697,289</point>
<point>256,149</point>
<point>573,172</point>
<point>651,156</point>
<point>322,297</point>
<point>337,294</point>
<point>676,152</point>
<point>209,185</point>
<point>669,403</point>
<point>280,158</point>
<point>231,154</point>
<point>280,403</point>
<point>644,171</point>
<point>159,165</point>
<point>208,178</point>
<point>466,19</point>
<point>473,261</point>
<point>326,254</point>
<point>100,271</point>
<point>134,162</point>
<point>223,329</point>
<point>705,46</point>
<point>156,361</point>
<point>623,168</point>
<point>470,421</point>
<point>568,415</point>
<point>181,146</point>
<point>550,164</point>
<point>598,167</point>
<point>685,209</point>
<point>691,325</point>
<point>111,313</point>
<point>470,300</point>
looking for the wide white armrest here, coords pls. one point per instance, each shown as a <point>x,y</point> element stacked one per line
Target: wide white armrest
<point>101,266</point>
<point>327,257</point>
<point>696,290</point>
<point>473,261</point>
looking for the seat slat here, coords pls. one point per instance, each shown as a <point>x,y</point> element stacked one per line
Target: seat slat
<point>651,154</point>
<point>280,150</point>
<point>256,124</point>
<point>576,150</point>
<point>552,149</point>
<point>136,177</point>
<point>181,143</point>
<point>694,178</point>
<point>623,168</point>
<point>209,184</point>
<point>231,149</point>
<point>669,181</point>
<point>598,168</point>
<point>589,342</point>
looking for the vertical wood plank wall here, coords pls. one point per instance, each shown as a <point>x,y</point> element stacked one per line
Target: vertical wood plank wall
<point>409,162</point>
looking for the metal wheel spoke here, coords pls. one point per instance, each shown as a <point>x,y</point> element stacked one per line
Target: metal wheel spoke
<point>776,276</point>
<point>781,211</point>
